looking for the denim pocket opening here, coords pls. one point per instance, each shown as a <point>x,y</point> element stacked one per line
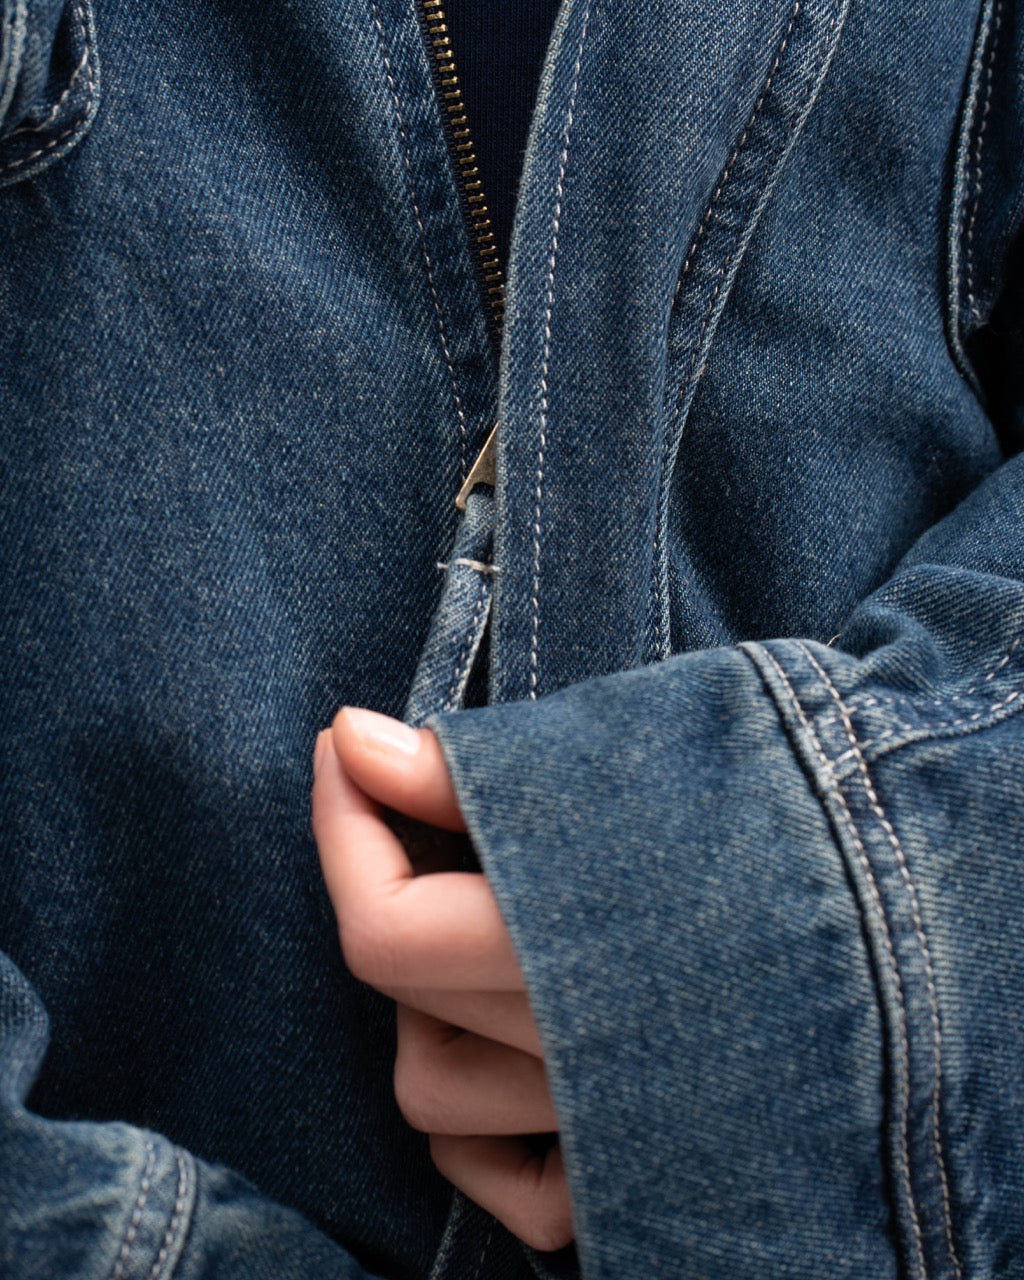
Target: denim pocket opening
<point>52,107</point>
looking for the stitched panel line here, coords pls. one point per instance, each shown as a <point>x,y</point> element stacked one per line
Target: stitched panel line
<point>132,1229</point>
<point>903,1046</point>
<point>860,705</point>
<point>466,650</point>
<point>89,64</point>
<point>15,35</point>
<point>172,1228</point>
<point>737,150</point>
<point>922,941</point>
<point>696,368</point>
<point>546,362</point>
<point>54,111</point>
<point>990,59</point>
<point>916,732</point>
<point>442,330</point>
<point>724,269</point>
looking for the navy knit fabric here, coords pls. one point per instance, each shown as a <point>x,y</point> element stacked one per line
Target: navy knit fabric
<point>499,50</point>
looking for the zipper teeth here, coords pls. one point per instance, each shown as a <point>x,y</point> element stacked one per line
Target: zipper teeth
<point>463,150</point>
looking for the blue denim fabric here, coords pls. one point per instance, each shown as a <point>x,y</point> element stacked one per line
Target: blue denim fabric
<point>749,790</point>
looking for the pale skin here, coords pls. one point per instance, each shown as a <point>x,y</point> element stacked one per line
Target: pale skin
<point>469,1070</point>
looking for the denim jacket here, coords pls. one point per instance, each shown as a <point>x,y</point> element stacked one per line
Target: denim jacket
<point>744,605</point>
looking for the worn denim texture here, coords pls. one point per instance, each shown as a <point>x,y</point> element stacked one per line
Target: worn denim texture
<point>749,792</point>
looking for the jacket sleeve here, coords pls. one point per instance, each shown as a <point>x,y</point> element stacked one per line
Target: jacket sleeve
<point>767,901</point>
<point>111,1202</point>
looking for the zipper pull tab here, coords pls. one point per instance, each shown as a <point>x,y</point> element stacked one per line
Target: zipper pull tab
<point>483,471</point>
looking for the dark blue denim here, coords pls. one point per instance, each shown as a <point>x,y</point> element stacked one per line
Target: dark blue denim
<point>749,790</point>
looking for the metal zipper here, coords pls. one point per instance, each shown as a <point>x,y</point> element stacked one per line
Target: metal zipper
<point>463,150</point>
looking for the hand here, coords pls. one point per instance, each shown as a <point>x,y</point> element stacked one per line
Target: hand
<point>469,1070</point>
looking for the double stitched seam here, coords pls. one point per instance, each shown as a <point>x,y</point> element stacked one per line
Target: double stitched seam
<point>52,114</point>
<point>466,649</point>
<point>13,36</point>
<point>86,64</point>
<point>997,17</point>
<point>132,1229</point>
<point>737,150</point>
<point>546,362</point>
<point>890,950</point>
<point>864,704</point>
<point>442,330</point>
<point>723,272</point>
<point>176,1217</point>
<point>917,733</point>
<point>922,942</point>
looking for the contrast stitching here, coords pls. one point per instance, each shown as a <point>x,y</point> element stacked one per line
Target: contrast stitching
<point>656,550</point>
<point>463,562</point>
<point>400,124</point>
<point>465,658</point>
<point>863,704</point>
<point>876,897</point>
<point>724,269</point>
<point>78,126</point>
<point>172,1229</point>
<point>14,43</point>
<point>727,171</point>
<point>487,1244</point>
<point>978,157</point>
<point>131,1231</point>
<point>928,730</point>
<point>546,364</point>
<point>922,941</point>
<point>54,110</point>
<point>694,367</point>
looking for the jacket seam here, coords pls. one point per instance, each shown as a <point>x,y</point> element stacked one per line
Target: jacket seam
<point>563,165</point>
<point>979,145</point>
<point>469,646</point>
<point>907,734</point>
<point>13,35</point>
<point>922,941</point>
<point>966,187</point>
<point>834,785</point>
<point>761,188</point>
<point>54,111</point>
<point>65,141</point>
<point>174,1231</point>
<point>428,262</point>
<point>132,1226</point>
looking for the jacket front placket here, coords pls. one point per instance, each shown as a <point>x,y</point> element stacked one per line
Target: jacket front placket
<point>660,133</point>
<point>658,137</point>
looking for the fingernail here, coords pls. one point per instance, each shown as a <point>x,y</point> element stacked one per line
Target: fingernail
<point>323,742</point>
<point>381,733</point>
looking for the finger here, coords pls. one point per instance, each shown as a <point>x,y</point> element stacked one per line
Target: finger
<point>396,929</point>
<point>451,1081</point>
<point>524,1190</point>
<point>502,1016</point>
<point>400,767</point>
